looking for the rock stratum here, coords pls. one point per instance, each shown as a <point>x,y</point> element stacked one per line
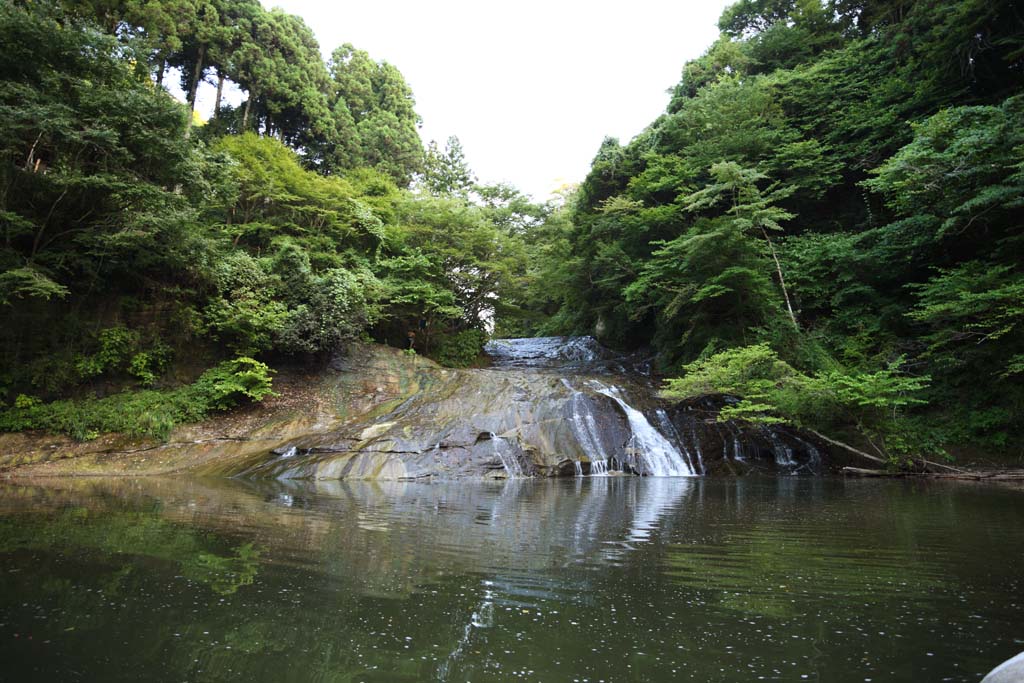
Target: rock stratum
<point>546,407</point>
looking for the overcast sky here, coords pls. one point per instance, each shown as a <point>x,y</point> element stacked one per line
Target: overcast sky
<point>529,87</point>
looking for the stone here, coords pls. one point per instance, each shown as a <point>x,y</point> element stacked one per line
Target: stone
<point>1010,671</point>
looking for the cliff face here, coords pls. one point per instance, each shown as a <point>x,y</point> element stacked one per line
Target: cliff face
<point>548,407</point>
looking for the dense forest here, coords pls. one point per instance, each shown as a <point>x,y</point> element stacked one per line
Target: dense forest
<point>823,228</point>
<point>825,223</point>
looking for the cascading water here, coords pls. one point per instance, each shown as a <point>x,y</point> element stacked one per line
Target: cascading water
<point>670,430</point>
<point>584,427</point>
<point>549,399</point>
<point>813,463</point>
<point>697,450</point>
<point>782,452</point>
<point>653,453</point>
<point>737,449</point>
<point>513,468</point>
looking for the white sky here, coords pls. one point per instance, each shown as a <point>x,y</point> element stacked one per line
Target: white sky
<point>529,87</point>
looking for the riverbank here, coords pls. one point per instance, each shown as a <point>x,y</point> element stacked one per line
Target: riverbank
<point>368,377</point>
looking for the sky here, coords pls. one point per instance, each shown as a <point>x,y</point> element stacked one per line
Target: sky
<point>532,87</point>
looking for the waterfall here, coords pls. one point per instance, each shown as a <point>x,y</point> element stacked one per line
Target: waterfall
<point>813,455</point>
<point>584,427</point>
<point>657,456</point>
<point>696,447</point>
<point>783,453</point>
<point>513,468</point>
<point>670,430</point>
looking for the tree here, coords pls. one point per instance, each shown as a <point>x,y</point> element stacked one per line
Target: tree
<point>752,209</point>
<point>446,172</point>
<point>376,124</point>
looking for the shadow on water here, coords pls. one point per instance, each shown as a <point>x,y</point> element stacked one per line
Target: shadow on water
<point>598,578</point>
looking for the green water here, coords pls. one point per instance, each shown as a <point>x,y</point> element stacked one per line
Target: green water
<point>616,579</point>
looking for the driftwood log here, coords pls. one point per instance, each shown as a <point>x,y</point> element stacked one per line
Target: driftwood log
<point>987,475</point>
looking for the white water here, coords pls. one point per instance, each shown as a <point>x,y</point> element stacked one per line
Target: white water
<point>813,463</point>
<point>584,427</point>
<point>783,453</point>
<point>658,457</point>
<point>670,430</point>
<point>513,468</point>
<point>737,449</point>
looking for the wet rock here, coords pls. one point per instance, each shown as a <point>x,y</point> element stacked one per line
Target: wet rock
<point>1010,671</point>
<point>550,407</point>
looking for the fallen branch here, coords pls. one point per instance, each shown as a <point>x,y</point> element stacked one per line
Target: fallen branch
<point>860,472</point>
<point>850,448</point>
<point>857,451</point>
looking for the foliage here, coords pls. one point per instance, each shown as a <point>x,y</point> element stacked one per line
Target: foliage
<point>886,139</point>
<point>233,382</point>
<point>149,413</point>
<point>766,389</point>
<point>462,349</point>
<point>446,172</point>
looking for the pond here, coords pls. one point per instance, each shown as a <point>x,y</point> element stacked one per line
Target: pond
<point>588,579</point>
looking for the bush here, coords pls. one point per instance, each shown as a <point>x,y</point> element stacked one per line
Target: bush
<point>460,350</point>
<point>120,350</point>
<point>233,382</point>
<point>144,413</point>
<point>772,391</point>
<point>339,306</point>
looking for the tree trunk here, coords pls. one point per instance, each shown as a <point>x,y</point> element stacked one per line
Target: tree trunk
<point>160,72</point>
<point>194,88</point>
<point>196,77</point>
<point>220,91</point>
<point>782,280</point>
<point>245,114</point>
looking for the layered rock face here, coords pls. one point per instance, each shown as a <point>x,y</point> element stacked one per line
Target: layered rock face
<point>547,407</point>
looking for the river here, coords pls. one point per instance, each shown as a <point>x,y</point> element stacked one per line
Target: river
<point>592,579</point>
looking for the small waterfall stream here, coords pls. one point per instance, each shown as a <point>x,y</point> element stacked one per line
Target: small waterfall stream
<point>513,468</point>
<point>648,451</point>
<point>651,451</point>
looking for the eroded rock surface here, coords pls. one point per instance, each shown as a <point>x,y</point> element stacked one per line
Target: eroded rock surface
<point>548,407</point>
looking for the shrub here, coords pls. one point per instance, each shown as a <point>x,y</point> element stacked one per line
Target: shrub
<point>460,350</point>
<point>233,382</point>
<point>149,413</point>
<point>772,391</point>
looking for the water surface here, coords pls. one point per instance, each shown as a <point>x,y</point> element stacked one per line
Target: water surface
<point>593,579</point>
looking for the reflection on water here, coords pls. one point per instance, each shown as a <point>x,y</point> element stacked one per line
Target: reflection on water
<point>606,578</point>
